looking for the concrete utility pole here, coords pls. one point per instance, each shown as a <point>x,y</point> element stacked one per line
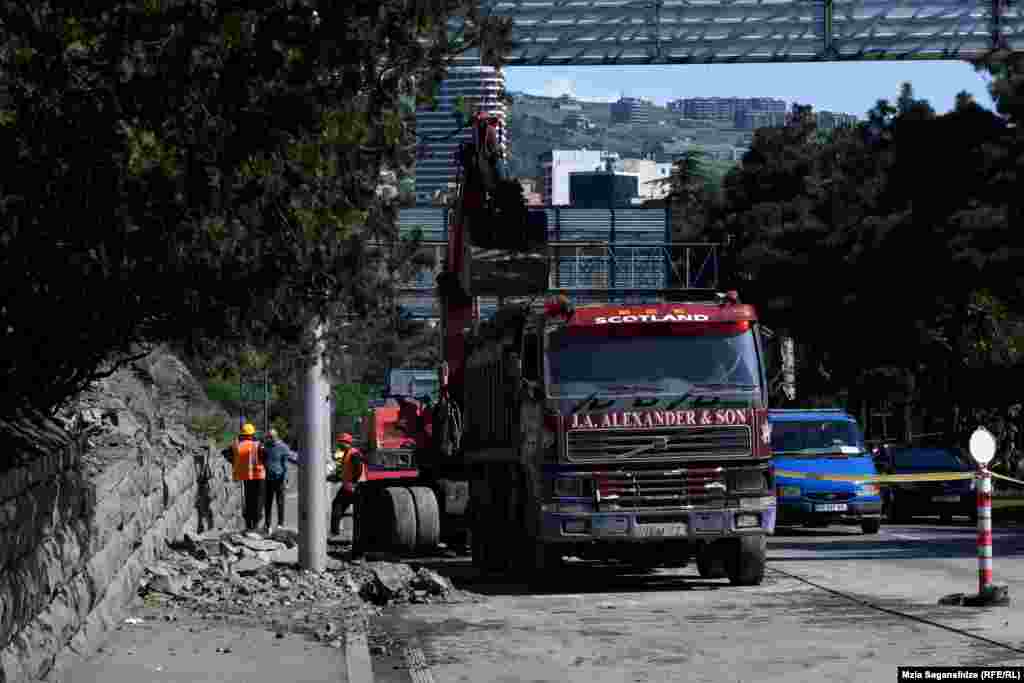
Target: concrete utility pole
<point>312,482</point>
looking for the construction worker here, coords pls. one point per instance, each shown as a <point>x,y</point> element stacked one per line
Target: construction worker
<point>247,467</point>
<point>350,470</point>
<point>276,455</point>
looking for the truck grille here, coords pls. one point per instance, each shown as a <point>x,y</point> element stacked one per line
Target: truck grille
<point>660,445</point>
<point>661,488</point>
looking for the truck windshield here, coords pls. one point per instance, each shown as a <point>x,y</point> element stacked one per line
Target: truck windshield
<point>814,437</point>
<point>579,365</point>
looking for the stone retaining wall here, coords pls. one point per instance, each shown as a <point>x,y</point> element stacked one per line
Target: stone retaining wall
<point>86,504</point>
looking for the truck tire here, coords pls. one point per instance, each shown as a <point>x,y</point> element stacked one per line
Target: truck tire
<point>402,519</point>
<point>710,563</point>
<point>487,556</point>
<point>428,518</point>
<point>870,526</point>
<point>746,564</point>
<point>546,565</point>
<point>361,516</point>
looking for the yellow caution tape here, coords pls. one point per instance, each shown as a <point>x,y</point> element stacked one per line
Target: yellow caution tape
<point>1010,479</point>
<point>878,478</point>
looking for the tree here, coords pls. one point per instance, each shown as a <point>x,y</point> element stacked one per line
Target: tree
<point>693,188</point>
<point>899,227</point>
<point>202,171</point>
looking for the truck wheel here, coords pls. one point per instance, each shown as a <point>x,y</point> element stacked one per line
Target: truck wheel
<point>369,523</point>
<point>361,514</point>
<point>870,526</point>
<point>428,518</point>
<point>402,519</point>
<point>710,564</point>
<point>746,566</point>
<point>547,563</point>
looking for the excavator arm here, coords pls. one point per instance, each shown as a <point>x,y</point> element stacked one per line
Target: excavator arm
<point>495,244</point>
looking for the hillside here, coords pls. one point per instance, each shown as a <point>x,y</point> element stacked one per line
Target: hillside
<point>535,127</point>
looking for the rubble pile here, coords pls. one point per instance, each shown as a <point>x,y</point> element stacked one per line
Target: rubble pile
<point>232,575</point>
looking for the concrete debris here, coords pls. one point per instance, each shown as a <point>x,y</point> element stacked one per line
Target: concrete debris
<point>392,582</point>
<point>392,578</point>
<point>285,556</point>
<point>260,545</point>
<point>248,565</point>
<point>165,579</point>
<point>259,581</point>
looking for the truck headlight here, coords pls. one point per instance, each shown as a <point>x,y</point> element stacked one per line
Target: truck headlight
<point>789,492</point>
<point>867,489</point>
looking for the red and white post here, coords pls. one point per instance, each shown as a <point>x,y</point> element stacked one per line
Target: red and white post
<point>984,489</point>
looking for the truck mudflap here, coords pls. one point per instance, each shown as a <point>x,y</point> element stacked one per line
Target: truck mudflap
<point>651,525</point>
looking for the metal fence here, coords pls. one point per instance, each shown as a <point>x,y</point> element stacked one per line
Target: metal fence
<point>628,225</point>
<point>619,255</point>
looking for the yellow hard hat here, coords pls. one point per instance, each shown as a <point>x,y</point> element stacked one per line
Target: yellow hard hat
<point>248,429</point>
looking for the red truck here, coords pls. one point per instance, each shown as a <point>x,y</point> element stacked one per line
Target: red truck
<point>630,432</point>
<point>634,432</point>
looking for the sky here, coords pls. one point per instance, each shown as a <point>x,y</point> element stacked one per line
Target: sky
<point>848,87</point>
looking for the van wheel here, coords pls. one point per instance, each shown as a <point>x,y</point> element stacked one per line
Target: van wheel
<point>870,526</point>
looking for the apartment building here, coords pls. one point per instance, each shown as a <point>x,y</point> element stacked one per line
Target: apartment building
<point>475,88</point>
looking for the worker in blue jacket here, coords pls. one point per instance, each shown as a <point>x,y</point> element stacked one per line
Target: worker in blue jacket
<point>276,455</point>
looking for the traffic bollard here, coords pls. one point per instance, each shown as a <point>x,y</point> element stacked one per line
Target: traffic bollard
<point>984,487</point>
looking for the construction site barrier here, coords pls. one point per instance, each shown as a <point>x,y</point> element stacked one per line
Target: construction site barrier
<point>892,478</point>
<point>877,479</point>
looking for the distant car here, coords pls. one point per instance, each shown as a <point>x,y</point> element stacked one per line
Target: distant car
<point>823,442</point>
<point>904,501</point>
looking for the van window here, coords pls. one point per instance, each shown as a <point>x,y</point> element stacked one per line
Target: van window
<point>815,435</point>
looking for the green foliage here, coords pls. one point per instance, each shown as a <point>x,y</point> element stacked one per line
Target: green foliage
<point>351,400</point>
<point>889,245</point>
<point>224,392</point>
<point>214,427</point>
<point>201,172</point>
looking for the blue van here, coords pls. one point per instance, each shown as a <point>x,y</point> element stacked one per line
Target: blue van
<point>823,442</point>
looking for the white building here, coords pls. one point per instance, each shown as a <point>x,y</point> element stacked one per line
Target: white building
<point>480,88</point>
<point>648,171</point>
<point>559,163</point>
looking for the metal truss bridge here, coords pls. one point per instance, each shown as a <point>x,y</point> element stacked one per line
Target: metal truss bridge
<point>592,32</point>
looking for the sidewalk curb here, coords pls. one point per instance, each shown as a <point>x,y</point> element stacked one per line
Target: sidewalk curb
<point>358,666</point>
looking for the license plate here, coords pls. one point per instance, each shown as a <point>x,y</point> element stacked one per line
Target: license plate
<point>945,499</point>
<point>611,525</point>
<point>662,530</point>
<point>830,507</point>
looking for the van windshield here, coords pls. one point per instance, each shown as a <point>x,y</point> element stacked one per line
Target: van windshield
<point>816,437</point>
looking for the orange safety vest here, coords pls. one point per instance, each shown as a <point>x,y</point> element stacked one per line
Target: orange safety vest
<point>247,465</point>
<point>347,465</point>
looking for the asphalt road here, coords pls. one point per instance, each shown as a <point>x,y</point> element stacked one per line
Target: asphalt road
<point>836,605</point>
